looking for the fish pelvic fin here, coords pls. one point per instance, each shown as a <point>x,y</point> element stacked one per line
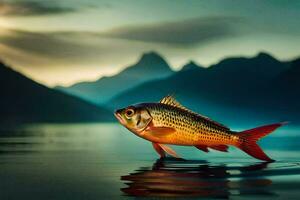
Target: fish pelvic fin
<point>159,150</point>
<point>223,148</point>
<point>248,139</point>
<point>168,150</point>
<point>202,148</point>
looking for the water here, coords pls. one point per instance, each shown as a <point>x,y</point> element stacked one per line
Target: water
<point>105,161</point>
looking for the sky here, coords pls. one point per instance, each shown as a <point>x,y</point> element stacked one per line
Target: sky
<point>61,42</point>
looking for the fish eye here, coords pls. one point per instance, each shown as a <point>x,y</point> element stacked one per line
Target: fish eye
<point>129,112</point>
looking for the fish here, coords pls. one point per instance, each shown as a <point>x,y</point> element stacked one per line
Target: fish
<point>167,122</point>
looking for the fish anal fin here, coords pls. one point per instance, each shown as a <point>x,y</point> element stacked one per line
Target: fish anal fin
<point>223,148</point>
<point>202,148</point>
<point>159,150</point>
<point>169,151</point>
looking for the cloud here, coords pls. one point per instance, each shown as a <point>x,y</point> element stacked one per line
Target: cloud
<point>67,57</point>
<point>32,8</point>
<point>186,32</point>
<point>69,47</point>
<point>41,43</point>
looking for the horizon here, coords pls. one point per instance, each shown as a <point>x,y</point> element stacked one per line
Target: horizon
<point>64,42</point>
<point>171,67</point>
<point>136,61</point>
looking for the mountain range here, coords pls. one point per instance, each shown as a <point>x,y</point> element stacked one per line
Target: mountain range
<point>150,66</point>
<point>259,88</point>
<point>25,101</point>
<point>240,89</point>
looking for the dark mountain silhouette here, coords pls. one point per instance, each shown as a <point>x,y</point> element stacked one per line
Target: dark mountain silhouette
<point>150,66</point>
<point>290,78</point>
<point>23,100</point>
<point>285,89</point>
<point>190,65</point>
<point>232,86</point>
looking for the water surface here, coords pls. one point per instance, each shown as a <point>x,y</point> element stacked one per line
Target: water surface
<point>96,161</point>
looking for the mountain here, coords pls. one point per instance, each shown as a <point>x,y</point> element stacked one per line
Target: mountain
<point>285,88</point>
<point>231,79</point>
<point>233,86</point>
<point>150,66</point>
<point>191,65</point>
<point>290,78</point>
<point>23,100</point>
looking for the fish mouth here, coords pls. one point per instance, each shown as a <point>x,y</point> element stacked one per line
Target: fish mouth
<point>119,117</point>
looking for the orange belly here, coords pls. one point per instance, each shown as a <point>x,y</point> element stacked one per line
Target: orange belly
<point>187,138</point>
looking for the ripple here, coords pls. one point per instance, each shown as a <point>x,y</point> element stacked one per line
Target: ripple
<point>179,178</point>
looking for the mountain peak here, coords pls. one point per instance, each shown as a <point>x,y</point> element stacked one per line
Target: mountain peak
<point>150,66</point>
<point>152,62</point>
<point>190,65</point>
<point>151,57</point>
<point>264,55</point>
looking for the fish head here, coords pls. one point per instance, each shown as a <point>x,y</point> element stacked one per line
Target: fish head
<point>134,118</point>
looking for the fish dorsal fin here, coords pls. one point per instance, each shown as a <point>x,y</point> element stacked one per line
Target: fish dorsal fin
<point>170,100</point>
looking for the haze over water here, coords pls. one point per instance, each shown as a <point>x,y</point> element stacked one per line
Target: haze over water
<point>106,161</point>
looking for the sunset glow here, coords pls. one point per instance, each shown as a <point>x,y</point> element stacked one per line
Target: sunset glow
<point>85,40</point>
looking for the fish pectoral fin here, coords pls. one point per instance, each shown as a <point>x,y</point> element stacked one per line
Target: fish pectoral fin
<point>202,148</point>
<point>160,131</point>
<point>159,150</point>
<point>223,148</point>
<point>169,151</point>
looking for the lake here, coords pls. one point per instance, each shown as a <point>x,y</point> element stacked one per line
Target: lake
<point>106,161</point>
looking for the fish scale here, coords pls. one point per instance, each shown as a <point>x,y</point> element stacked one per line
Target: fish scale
<point>191,129</point>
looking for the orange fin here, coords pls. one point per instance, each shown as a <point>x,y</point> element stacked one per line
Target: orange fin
<point>160,131</point>
<point>159,150</point>
<point>223,148</point>
<point>169,151</point>
<point>255,151</point>
<point>202,148</point>
<point>250,137</point>
<point>259,132</point>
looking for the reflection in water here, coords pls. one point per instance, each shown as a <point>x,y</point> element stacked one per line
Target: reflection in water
<point>179,178</point>
<point>88,159</point>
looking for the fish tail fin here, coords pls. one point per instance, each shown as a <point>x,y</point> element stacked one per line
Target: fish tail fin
<point>248,139</point>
